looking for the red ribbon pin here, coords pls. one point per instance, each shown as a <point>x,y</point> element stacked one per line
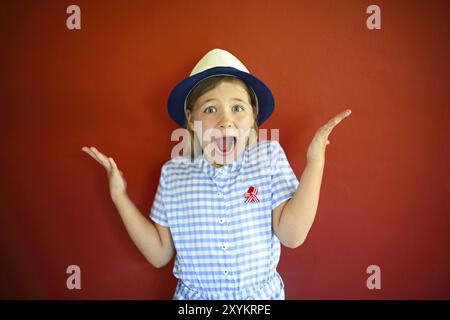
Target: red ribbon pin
<point>250,195</point>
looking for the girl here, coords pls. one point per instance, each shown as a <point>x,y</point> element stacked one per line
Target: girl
<point>224,210</point>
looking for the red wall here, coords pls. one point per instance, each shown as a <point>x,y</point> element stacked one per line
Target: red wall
<point>385,191</point>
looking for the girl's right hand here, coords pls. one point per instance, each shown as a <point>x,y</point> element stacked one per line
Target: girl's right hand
<point>117,183</point>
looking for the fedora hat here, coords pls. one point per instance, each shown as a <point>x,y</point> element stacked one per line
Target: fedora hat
<point>219,62</point>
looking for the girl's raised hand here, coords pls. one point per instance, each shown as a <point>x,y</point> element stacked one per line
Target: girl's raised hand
<point>117,182</point>
<point>316,150</point>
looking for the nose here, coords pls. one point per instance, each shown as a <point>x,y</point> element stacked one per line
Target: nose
<point>225,125</point>
<point>225,121</point>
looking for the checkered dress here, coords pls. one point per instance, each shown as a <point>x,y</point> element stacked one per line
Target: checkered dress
<point>225,246</point>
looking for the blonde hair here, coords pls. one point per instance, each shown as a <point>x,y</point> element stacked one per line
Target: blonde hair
<point>209,84</point>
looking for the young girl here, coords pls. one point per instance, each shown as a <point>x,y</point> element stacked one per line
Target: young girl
<point>225,209</point>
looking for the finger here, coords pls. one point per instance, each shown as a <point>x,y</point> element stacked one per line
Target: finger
<point>113,164</point>
<point>92,154</point>
<point>335,121</point>
<point>342,115</point>
<point>101,156</point>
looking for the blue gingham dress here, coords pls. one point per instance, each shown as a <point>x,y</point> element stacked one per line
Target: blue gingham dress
<point>225,246</point>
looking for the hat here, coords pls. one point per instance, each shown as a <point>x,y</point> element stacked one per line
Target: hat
<point>219,62</point>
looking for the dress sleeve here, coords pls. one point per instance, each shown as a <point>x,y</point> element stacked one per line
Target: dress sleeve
<point>158,212</point>
<point>284,181</point>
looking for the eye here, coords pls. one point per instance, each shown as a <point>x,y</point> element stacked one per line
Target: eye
<point>210,109</point>
<point>238,108</point>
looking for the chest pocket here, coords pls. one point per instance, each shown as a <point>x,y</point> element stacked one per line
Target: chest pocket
<point>255,193</point>
<point>253,209</point>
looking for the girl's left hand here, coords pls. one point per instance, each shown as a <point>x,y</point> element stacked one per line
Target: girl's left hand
<point>316,150</point>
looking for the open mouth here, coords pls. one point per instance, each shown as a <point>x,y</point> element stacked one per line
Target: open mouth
<point>225,145</point>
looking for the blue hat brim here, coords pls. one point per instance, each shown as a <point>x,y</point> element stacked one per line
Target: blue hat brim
<point>179,93</point>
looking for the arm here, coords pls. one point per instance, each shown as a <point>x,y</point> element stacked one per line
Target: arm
<point>153,240</point>
<point>293,219</point>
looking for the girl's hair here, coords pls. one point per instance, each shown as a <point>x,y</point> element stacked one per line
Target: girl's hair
<point>209,84</point>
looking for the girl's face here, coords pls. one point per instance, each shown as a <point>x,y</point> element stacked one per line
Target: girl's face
<point>226,117</point>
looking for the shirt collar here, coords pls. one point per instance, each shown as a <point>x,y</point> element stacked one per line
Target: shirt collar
<point>213,172</point>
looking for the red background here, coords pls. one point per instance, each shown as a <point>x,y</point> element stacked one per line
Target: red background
<point>385,191</point>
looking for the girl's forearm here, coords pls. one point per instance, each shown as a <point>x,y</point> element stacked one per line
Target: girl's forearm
<point>142,231</point>
<point>299,212</point>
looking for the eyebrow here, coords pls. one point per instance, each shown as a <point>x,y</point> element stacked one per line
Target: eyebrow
<point>212,99</point>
